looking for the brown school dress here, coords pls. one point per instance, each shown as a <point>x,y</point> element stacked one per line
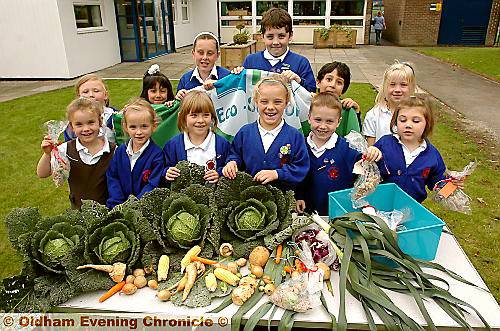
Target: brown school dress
<point>87,182</point>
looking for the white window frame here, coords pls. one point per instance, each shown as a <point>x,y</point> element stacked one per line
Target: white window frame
<point>103,16</point>
<point>185,4</point>
<point>174,11</point>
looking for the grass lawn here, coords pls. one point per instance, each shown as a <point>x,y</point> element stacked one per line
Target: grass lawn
<point>482,60</point>
<point>478,234</point>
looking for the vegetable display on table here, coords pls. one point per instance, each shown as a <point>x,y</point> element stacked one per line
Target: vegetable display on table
<point>237,239</point>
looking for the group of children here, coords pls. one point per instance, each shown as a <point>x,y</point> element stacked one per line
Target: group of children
<point>269,149</point>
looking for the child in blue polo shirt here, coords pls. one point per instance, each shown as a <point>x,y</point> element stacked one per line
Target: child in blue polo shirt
<point>276,27</point>
<point>136,167</point>
<point>331,159</point>
<point>409,159</point>
<point>198,143</point>
<point>205,54</point>
<point>269,149</point>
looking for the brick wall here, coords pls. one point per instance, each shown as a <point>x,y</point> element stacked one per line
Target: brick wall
<point>493,24</point>
<point>393,14</point>
<point>368,17</point>
<point>410,22</point>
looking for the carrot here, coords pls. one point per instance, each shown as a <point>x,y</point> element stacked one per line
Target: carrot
<point>279,250</point>
<point>203,260</point>
<point>288,269</point>
<point>115,289</point>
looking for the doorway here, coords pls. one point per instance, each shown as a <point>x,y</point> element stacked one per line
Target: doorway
<point>464,22</point>
<point>144,28</point>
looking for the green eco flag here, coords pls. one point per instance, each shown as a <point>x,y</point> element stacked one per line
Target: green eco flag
<point>167,128</point>
<point>348,123</point>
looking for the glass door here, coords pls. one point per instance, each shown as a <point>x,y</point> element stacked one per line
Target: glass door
<point>143,29</point>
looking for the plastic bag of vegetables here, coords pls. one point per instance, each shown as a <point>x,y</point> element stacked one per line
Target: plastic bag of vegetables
<point>302,292</point>
<point>318,243</point>
<point>450,196</point>
<point>59,162</point>
<point>369,175</point>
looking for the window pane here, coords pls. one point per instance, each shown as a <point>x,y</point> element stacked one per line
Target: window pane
<point>87,16</point>
<point>263,6</point>
<point>309,8</point>
<point>347,22</point>
<point>309,22</point>
<point>347,7</point>
<point>238,8</point>
<point>185,16</point>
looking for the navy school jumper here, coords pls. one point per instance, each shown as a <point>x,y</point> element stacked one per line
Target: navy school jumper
<point>187,82</point>
<point>175,151</point>
<point>145,176</point>
<point>248,152</point>
<point>426,170</point>
<point>331,172</point>
<point>292,61</point>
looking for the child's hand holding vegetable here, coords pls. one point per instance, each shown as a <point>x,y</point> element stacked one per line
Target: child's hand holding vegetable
<point>300,206</point>
<point>211,176</point>
<point>230,170</point>
<point>172,173</point>
<point>373,154</point>
<point>47,144</point>
<point>266,176</point>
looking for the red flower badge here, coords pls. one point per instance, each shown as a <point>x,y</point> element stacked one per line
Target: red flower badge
<point>145,175</point>
<point>210,165</point>
<point>425,172</point>
<point>333,172</point>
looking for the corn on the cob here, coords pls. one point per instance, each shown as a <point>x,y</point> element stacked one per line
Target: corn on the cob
<point>187,258</point>
<point>211,282</point>
<point>163,266</point>
<point>226,276</point>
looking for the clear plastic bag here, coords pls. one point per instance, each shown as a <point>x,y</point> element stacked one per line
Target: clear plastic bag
<point>457,200</point>
<point>318,242</point>
<point>303,292</point>
<point>369,175</point>
<point>59,162</point>
<point>394,219</point>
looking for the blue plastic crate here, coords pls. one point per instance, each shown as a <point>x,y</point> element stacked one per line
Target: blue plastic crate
<point>423,229</point>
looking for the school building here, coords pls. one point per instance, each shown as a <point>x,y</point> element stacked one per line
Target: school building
<point>442,22</point>
<point>69,38</point>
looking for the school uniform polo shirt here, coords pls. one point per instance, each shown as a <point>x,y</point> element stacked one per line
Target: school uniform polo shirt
<point>200,154</point>
<point>133,156</point>
<point>318,151</point>
<point>377,122</point>
<point>84,153</point>
<point>273,60</point>
<point>410,156</point>
<point>269,136</point>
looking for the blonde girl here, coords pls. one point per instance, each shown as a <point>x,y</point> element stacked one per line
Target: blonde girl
<point>198,143</point>
<point>398,84</point>
<point>269,149</point>
<point>409,159</point>
<point>92,86</point>
<point>89,154</point>
<point>137,166</point>
<point>205,54</point>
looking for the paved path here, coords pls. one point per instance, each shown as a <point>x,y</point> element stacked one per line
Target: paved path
<point>475,97</point>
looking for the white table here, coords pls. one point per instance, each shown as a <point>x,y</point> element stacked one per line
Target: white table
<point>450,255</point>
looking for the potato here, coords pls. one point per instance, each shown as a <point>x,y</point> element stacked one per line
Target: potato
<point>129,289</point>
<point>259,256</point>
<point>163,295</point>
<point>152,283</point>
<point>130,279</point>
<point>257,270</point>
<point>140,281</point>
<point>139,272</point>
